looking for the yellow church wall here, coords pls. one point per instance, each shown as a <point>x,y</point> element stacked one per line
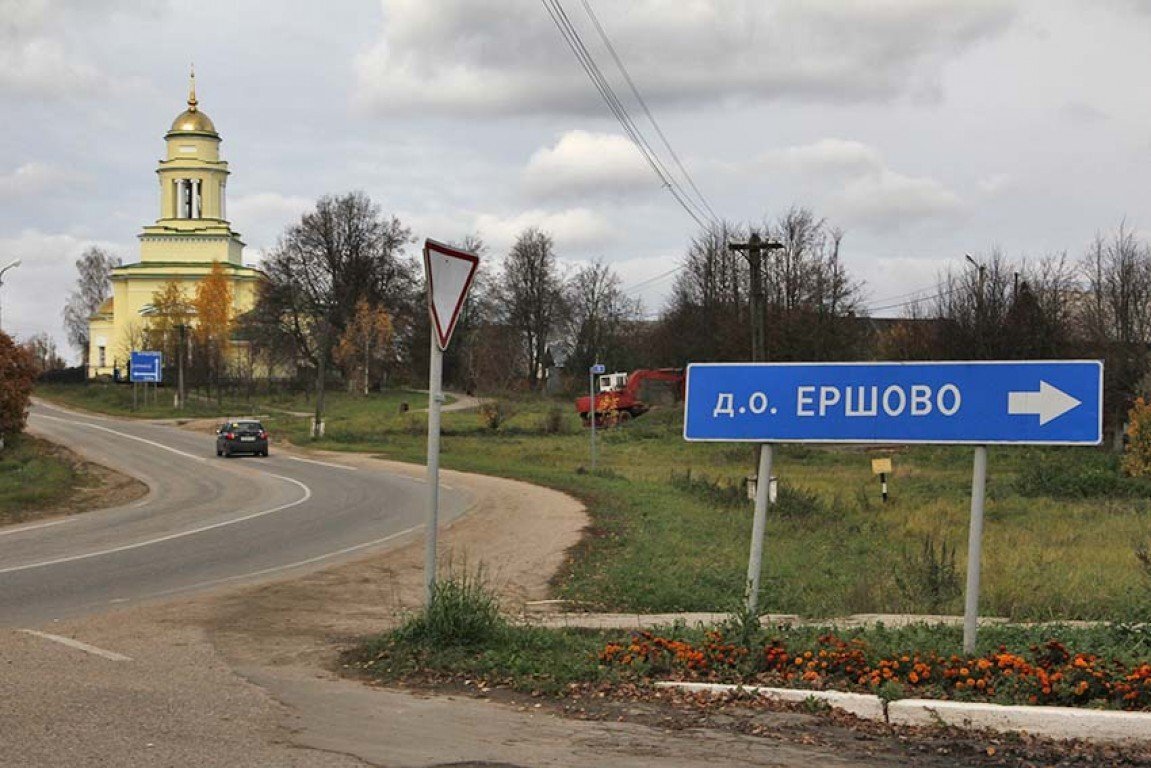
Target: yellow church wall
<point>196,250</point>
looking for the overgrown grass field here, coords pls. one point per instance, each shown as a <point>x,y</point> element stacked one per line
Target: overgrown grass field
<point>1065,534</point>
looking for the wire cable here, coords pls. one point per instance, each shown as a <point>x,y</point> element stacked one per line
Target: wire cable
<point>619,111</point>
<point>643,103</point>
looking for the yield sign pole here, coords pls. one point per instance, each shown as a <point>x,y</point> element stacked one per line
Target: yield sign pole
<point>449,272</point>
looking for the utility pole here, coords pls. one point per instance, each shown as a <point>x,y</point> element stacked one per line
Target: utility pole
<point>753,249</point>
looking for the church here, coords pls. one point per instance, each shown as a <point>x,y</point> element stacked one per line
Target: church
<point>191,234</point>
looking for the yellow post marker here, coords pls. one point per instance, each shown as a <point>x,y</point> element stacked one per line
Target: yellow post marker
<point>882,467</point>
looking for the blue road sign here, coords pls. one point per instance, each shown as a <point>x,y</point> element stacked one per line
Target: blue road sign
<point>145,366</point>
<point>598,368</point>
<point>1049,402</point>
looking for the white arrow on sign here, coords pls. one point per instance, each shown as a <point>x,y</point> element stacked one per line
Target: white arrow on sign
<point>449,272</point>
<point>1048,403</point>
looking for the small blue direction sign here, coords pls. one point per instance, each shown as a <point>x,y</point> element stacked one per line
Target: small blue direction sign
<point>1050,402</point>
<point>145,366</point>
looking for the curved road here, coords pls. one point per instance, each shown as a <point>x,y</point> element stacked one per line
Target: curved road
<point>206,521</point>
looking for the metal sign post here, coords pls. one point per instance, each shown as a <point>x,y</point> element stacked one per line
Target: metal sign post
<point>974,549</point>
<point>449,272</point>
<point>759,526</point>
<point>595,370</point>
<point>1048,402</point>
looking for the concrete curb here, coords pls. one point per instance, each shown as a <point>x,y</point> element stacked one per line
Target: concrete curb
<point>1052,722</point>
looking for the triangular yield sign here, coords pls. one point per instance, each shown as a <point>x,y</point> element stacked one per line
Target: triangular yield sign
<point>449,272</point>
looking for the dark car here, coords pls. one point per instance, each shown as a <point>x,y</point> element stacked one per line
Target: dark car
<point>241,436</point>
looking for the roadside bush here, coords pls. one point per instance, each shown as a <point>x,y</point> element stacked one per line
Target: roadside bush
<point>463,612</point>
<point>554,422</point>
<point>493,414</point>
<point>791,501</point>
<point>1077,475</point>
<point>1137,452</point>
<point>928,577</point>
<point>713,491</point>
<point>17,374</point>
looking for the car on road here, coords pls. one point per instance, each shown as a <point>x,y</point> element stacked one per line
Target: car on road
<point>241,436</point>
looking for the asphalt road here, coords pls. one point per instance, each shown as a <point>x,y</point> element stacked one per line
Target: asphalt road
<point>206,522</point>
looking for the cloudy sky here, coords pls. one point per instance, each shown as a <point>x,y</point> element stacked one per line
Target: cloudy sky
<point>923,128</point>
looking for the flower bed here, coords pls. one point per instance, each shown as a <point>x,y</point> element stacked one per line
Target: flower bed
<point>1047,674</point>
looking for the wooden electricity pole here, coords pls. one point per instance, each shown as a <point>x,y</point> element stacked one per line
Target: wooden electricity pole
<point>753,249</point>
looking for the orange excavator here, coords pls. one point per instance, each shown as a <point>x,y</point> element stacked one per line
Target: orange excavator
<point>623,396</point>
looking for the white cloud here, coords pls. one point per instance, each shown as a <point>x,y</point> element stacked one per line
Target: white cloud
<point>34,293</point>
<point>583,163</point>
<point>262,217</point>
<point>860,188</point>
<point>995,183</point>
<point>32,60</point>
<point>888,200</point>
<point>507,56</point>
<point>573,229</point>
<point>835,156</point>
<point>27,180</point>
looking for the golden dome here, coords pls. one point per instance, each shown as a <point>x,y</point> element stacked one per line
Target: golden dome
<point>192,120</point>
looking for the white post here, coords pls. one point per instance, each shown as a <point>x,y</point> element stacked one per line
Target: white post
<point>435,398</point>
<point>592,413</point>
<point>755,561</point>
<point>974,549</point>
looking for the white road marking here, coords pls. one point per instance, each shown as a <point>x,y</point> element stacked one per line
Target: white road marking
<point>323,463</point>
<point>288,566</point>
<point>179,535</point>
<point>152,443</point>
<point>111,655</point>
<point>37,526</point>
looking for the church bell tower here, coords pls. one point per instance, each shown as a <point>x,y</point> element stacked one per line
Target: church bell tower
<point>193,224</point>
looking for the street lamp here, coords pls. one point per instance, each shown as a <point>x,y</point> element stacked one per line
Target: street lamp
<point>14,264</point>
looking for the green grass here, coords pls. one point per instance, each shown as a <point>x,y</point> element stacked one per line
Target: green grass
<point>32,478</point>
<point>670,529</point>
<point>660,544</point>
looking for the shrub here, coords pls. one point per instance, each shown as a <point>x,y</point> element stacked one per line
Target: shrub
<point>493,414</point>
<point>17,374</point>
<point>929,577</point>
<point>1137,452</point>
<point>1077,475</point>
<point>554,422</point>
<point>462,612</point>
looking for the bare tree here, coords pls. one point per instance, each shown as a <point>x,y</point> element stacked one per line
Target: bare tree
<point>92,289</point>
<point>599,313</point>
<point>532,297</point>
<point>42,348</point>
<point>706,317</point>
<point>1117,316</point>
<point>811,302</point>
<point>342,251</point>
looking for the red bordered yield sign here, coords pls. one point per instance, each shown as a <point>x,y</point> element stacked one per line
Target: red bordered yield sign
<point>449,272</point>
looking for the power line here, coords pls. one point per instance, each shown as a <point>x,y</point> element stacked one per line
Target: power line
<point>650,280</point>
<point>900,305</point>
<point>651,117</point>
<point>619,111</point>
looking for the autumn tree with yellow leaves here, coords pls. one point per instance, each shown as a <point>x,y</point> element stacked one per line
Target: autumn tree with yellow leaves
<point>366,340</point>
<point>213,334</point>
